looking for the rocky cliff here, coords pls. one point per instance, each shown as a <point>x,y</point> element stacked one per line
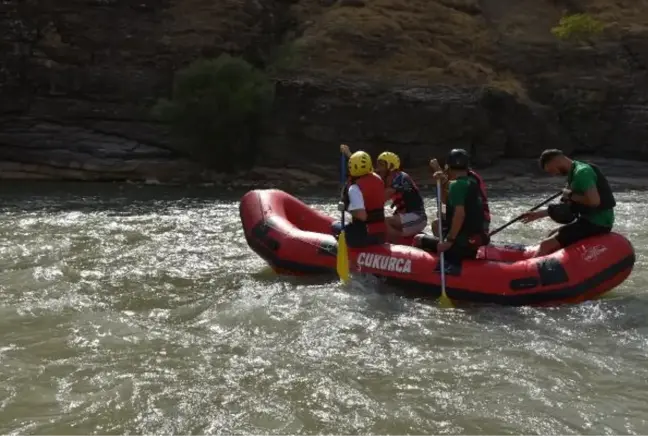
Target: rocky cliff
<point>78,78</point>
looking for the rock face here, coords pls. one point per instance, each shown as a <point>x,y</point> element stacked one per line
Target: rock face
<point>77,80</point>
<point>417,123</point>
<point>40,149</point>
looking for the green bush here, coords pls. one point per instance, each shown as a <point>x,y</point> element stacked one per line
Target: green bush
<point>578,27</point>
<point>218,106</point>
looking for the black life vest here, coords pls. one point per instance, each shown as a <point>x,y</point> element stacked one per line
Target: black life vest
<point>607,200</point>
<point>482,192</point>
<point>473,224</point>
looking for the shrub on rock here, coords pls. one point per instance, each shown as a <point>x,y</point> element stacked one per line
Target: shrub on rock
<point>577,27</point>
<point>218,106</point>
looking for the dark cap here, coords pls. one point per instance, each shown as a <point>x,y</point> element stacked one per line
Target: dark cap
<point>458,159</point>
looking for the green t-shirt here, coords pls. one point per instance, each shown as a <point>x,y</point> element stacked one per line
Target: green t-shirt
<point>584,178</point>
<point>457,195</point>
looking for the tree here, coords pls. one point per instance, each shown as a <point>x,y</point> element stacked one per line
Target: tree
<point>218,106</point>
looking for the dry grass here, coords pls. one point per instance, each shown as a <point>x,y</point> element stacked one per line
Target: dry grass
<point>620,14</point>
<point>415,41</point>
<point>509,83</point>
<point>225,24</point>
<point>428,41</point>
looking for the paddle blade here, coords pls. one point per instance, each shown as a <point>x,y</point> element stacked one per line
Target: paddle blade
<point>266,271</point>
<point>445,301</point>
<point>343,258</point>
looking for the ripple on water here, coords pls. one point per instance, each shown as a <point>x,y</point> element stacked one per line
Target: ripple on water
<point>123,314</point>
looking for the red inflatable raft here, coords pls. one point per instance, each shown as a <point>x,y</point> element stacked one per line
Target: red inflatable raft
<point>296,239</point>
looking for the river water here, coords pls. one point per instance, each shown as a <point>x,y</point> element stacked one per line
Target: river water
<point>130,309</point>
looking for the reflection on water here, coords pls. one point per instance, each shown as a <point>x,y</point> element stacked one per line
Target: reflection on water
<point>130,309</point>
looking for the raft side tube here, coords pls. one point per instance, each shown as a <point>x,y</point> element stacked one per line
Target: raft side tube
<point>287,248</point>
<point>503,273</point>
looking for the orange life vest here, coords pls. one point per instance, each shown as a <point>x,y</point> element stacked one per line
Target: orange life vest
<point>373,194</point>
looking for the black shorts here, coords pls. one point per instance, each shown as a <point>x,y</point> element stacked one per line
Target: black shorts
<point>357,236</point>
<point>446,228</point>
<point>578,230</point>
<point>455,254</point>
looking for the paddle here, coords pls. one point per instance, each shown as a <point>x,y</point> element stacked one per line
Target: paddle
<point>519,217</point>
<point>342,265</point>
<point>443,300</point>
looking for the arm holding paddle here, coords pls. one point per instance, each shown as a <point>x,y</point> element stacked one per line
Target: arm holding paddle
<point>560,213</point>
<point>443,298</point>
<point>590,198</point>
<point>344,154</point>
<point>440,178</point>
<point>530,215</point>
<point>457,218</point>
<point>443,177</point>
<point>455,226</point>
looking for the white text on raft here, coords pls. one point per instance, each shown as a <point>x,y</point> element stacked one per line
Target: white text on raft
<point>386,263</point>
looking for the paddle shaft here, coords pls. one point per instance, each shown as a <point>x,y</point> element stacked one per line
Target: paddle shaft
<point>442,257</point>
<point>519,217</point>
<point>342,180</point>
<point>342,258</point>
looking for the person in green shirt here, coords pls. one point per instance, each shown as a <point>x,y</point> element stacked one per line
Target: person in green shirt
<point>464,213</point>
<point>589,197</point>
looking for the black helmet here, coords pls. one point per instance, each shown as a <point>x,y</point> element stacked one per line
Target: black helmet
<point>458,159</point>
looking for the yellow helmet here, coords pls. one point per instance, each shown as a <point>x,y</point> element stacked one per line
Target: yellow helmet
<point>360,164</point>
<point>391,159</point>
